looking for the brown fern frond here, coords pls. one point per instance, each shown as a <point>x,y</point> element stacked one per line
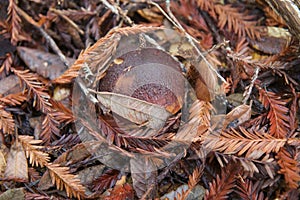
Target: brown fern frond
<point>35,196</point>
<point>200,111</point>
<point>41,102</point>
<point>277,113</point>
<point>241,141</point>
<point>105,181</point>
<point>50,128</point>
<point>63,179</point>
<point>264,166</point>
<point>7,123</point>
<point>224,184</point>
<point>32,81</point>
<point>62,114</point>
<point>135,29</point>
<point>249,191</point>
<point>113,136</point>
<point>72,72</point>
<point>14,22</point>
<point>13,99</point>
<point>273,19</point>
<point>242,46</point>
<point>193,180</point>
<point>231,18</point>
<point>67,140</point>
<point>293,110</point>
<point>6,64</point>
<point>195,177</point>
<point>207,6</point>
<point>32,150</point>
<point>199,122</point>
<point>236,21</point>
<point>289,168</point>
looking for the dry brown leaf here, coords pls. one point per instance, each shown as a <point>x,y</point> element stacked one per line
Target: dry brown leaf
<point>45,64</point>
<point>135,110</point>
<point>16,167</point>
<point>241,113</point>
<point>16,193</point>
<point>143,173</point>
<point>208,86</point>
<point>9,85</point>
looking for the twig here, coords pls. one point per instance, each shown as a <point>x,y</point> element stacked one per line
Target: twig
<point>118,11</point>
<point>49,40</point>
<point>217,46</point>
<point>249,90</point>
<point>169,15</point>
<point>111,7</point>
<point>60,13</point>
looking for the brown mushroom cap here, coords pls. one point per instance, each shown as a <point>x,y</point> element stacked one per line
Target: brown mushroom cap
<point>147,74</point>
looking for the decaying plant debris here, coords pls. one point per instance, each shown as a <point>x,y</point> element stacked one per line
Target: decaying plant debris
<point>51,151</point>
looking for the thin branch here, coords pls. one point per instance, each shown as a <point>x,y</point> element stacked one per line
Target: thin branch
<point>49,40</point>
<point>190,38</point>
<point>250,87</point>
<point>61,14</point>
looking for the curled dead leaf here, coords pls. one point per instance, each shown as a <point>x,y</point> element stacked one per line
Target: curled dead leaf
<point>135,110</point>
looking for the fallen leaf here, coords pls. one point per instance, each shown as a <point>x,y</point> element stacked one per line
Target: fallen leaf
<point>46,64</point>
<point>274,42</point>
<point>135,110</point>
<point>143,173</point>
<point>9,85</point>
<point>239,114</point>
<point>207,86</point>
<point>16,167</point>
<point>16,194</point>
<point>89,174</point>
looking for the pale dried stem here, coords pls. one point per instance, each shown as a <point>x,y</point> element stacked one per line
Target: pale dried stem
<point>249,90</point>
<point>169,15</point>
<point>73,24</point>
<point>118,11</point>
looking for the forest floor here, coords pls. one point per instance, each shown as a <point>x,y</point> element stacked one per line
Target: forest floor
<point>141,99</point>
